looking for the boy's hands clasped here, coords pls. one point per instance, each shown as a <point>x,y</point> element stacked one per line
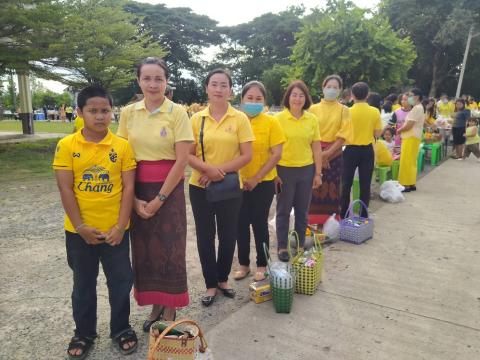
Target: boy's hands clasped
<point>93,236</point>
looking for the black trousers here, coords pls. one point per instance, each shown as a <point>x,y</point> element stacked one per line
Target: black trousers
<point>210,217</point>
<point>363,158</point>
<point>255,208</point>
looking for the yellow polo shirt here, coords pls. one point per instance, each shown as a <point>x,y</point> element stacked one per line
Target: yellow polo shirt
<point>300,133</point>
<point>268,133</point>
<point>333,120</point>
<point>97,180</point>
<point>365,120</point>
<point>153,134</point>
<point>445,110</point>
<point>78,124</point>
<point>395,107</point>
<point>221,139</point>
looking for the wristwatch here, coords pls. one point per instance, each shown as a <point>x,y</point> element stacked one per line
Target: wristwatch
<point>162,197</point>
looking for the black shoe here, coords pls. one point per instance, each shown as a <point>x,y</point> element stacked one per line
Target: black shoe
<point>230,293</point>
<point>283,256</point>
<point>413,188</point>
<point>148,323</point>
<point>407,189</point>
<point>208,300</point>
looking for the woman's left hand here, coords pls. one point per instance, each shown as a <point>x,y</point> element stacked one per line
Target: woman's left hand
<point>317,181</point>
<point>250,184</point>
<point>153,206</point>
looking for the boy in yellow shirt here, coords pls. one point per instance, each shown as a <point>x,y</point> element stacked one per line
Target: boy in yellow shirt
<point>95,172</point>
<point>367,126</point>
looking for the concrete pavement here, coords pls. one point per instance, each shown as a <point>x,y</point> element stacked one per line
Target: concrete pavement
<point>412,292</point>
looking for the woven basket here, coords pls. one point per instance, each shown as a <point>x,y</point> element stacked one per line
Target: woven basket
<point>356,229</point>
<point>166,347</point>
<point>282,292</point>
<point>308,278</point>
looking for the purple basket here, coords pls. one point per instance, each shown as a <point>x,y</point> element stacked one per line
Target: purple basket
<point>356,229</point>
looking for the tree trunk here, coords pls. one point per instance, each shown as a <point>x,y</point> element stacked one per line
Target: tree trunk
<point>436,76</point>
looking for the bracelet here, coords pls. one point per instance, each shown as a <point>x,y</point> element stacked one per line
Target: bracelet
<point>319,174</point>
<point>80,226</point>
<point>119,229</point>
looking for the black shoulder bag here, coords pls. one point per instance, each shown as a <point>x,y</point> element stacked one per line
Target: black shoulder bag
<point>228,188</point>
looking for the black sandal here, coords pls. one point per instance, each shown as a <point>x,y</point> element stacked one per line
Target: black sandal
<point>125,338</point>
<point>79,343</point>
<point>148,323</point>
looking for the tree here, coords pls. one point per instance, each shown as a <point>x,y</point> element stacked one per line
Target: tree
<point>272,79</point>
<point>28,28</point>
<point>439,31</point>
<point>258,45</point>
<point>354,43</point>
<point>100,44</point>
<point>184,33</point>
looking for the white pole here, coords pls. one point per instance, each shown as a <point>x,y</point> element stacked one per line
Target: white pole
<point>465,56</point>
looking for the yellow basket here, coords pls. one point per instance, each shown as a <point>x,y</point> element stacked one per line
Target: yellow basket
<point>166,347</point>
<point>307,277</point>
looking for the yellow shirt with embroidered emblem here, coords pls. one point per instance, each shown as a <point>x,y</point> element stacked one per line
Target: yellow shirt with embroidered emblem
<point>97,179</point>
<point>153,135</point>
<point>268,133</point>
<point>365,119</point>
<point>333,120</point>
<point>300,133</point>
<point>221,139</point>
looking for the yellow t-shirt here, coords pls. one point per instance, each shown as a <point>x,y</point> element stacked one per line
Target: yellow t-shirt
<point>153,135</point>
<point>268,133</point>
<point>383,156</point>
<point>333,120</point>
<point>300,133</point>
<point>97,176</point>
<point>472,106</point>
<point>395,107</point>
<point>365,119</point>
<point>221,139</point>
<point>445,110</point>
<point>78,124</point>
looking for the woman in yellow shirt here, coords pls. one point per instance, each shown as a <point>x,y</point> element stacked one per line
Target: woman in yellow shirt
<point>300,167</point>
<point>161,135</point>
<point>335,127</point>
<point>223,145</point>
<point>258,179</point>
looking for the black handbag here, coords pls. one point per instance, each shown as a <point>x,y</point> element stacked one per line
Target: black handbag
<point>228,188</point>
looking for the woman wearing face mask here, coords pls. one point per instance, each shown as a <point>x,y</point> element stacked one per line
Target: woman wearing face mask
<point>223,145</point>
<point>411,133</point>
<point>335,128</point>
<point>300,168</point>
<point>258,179</point>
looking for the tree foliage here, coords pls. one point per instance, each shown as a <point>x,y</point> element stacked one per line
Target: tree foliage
<point>439,31</point>
<point>354,43</point>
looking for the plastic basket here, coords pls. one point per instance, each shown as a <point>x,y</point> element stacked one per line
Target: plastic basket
<point>282,292</point>
<point>356,229</point>
<point>308,277</point>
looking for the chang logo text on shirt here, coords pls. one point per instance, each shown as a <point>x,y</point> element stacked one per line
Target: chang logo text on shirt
<point>95,179</point>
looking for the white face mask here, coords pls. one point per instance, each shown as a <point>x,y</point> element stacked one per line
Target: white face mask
<point>331,93</point>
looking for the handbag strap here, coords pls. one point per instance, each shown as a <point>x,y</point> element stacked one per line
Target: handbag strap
<point>203,342</point>
<point>352,204</point>
<point>297,240</point>
<point>267,256</point>
<point>202,126</point>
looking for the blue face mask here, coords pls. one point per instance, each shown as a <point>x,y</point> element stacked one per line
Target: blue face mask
<point>411,100</point>
<point>331,93</point>
<point>252,109</point>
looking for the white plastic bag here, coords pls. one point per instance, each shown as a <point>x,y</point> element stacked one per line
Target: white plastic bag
<point>331,228</point>
<point>391,191</point>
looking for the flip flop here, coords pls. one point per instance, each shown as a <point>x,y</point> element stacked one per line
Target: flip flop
<point>241,274</point>
<point>259,276</point>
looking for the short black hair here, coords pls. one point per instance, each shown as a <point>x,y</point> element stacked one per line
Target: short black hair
<point>387,106</point>
<point>154,61</point>
<point>90,92</point>
<point>374,99</point>
<point>417,92</point>
<point>219,71</point>
<point>360,90</point>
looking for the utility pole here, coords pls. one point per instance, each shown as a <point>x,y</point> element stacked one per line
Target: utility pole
<point>465,56</point>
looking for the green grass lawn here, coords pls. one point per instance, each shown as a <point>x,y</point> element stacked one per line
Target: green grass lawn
<point>27,160</point>
<point>44,126</point>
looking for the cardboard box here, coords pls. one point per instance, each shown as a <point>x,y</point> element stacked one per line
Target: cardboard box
<point>260,291</point>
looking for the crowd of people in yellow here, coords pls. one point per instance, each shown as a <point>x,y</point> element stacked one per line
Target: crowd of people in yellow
<point>126,191</point>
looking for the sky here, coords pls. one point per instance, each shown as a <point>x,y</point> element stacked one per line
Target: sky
<point>229,13</point>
